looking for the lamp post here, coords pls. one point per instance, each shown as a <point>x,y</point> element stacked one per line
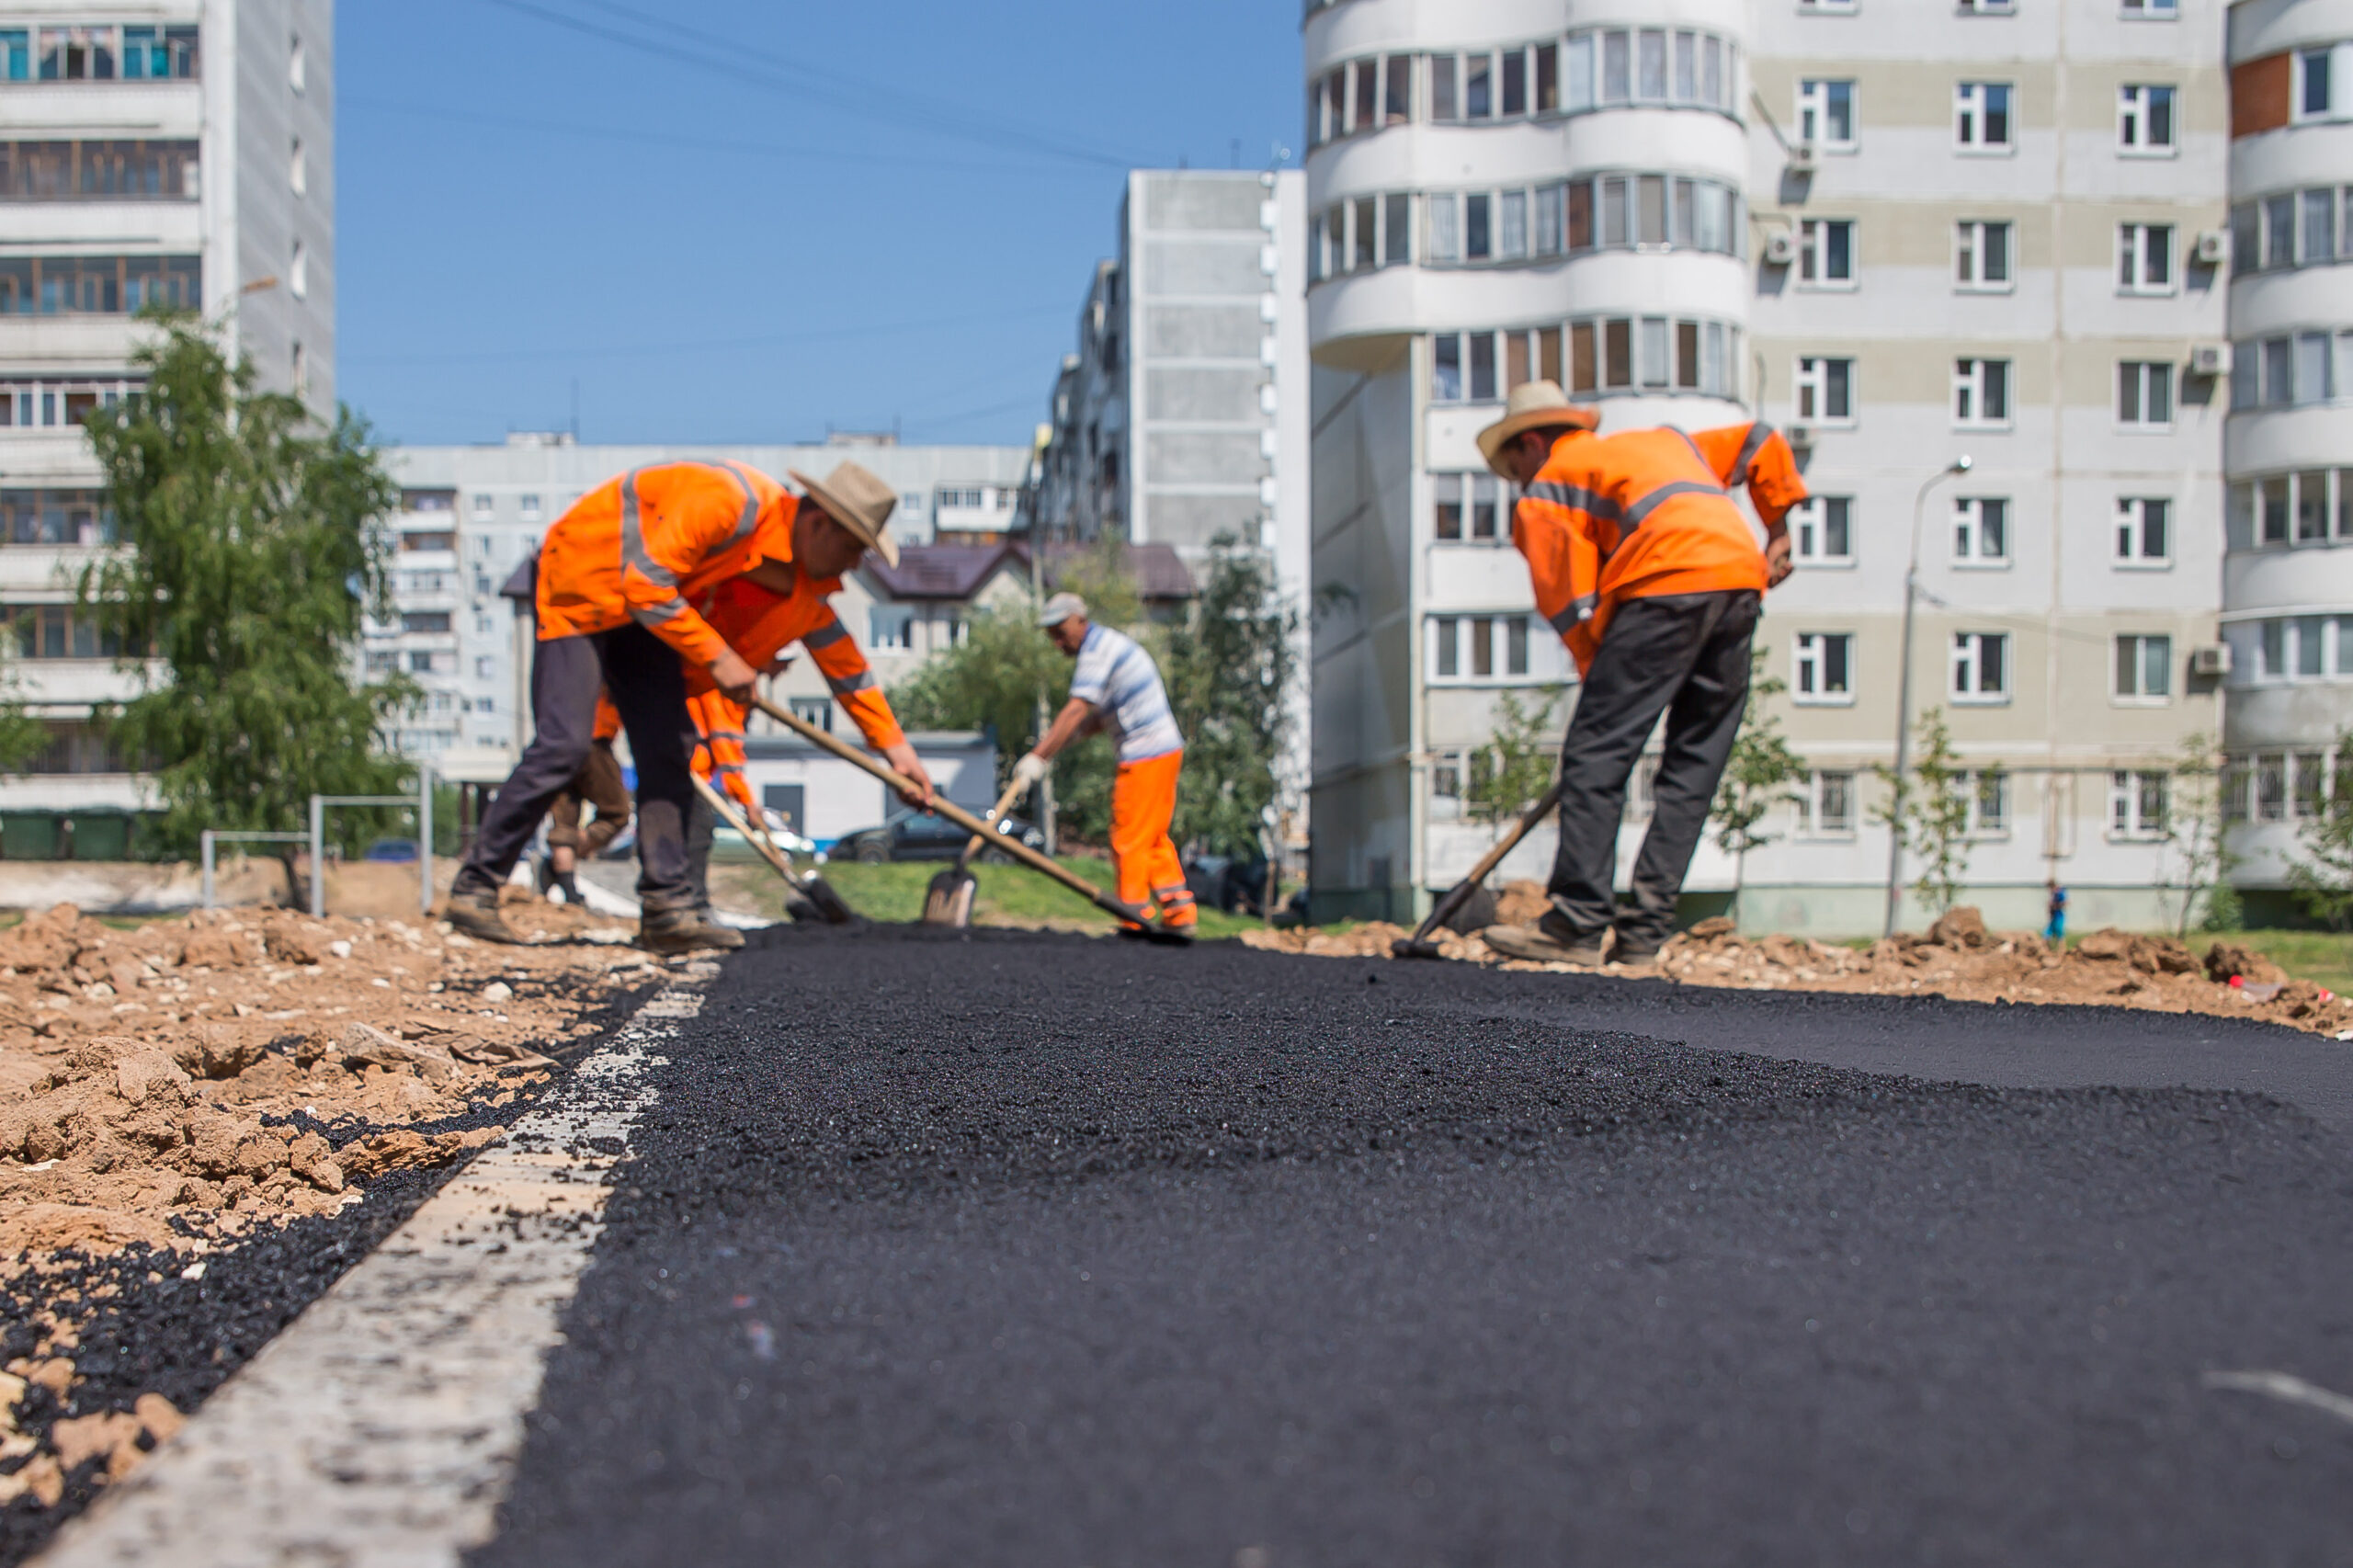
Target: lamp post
<point>1959,465</point>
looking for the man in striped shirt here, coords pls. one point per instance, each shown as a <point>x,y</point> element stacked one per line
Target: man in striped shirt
<point>1117,688</point>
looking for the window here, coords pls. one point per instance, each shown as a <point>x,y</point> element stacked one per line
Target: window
<point>2316,238</point>
<point>2144,668</point>
<point>1980,667</point>
<point>890,629</point>
<point>485,509</point>
<point>70,517</point>
<point>99,285</point>
<point>1444,99</point>
<point>430,622</point>
<point>817,710</point>
<point>1982,117</point>
<point>297,168</point>
<point>1981,391</point>
<point>26,401</point>
<point>1826,114</point>
<point>1827,253</point>
<point>2143,530</point>
<point>1821,667</point>
<point>149,54</point>
<point>1989,803</point>
<point>1448,770</point>
<point>2137,802</point>
<point>2151,10</point>
<point>1825,803</point>
<point>1479,647</point>
<point>1396,230</point>
<point>2314,83</point>
<point>1821,531</point>
<point>1981,254</point>
<point>98,171</point>
<point>1397,90</point>
<point>2144,119</point>
<point>1981,532</point>
<point>2144,395</point>
<point>298,272</point>
<point>1825,390</point>
<point>2144,259</point>
<point>297,63</point>
<point>1467,506</point>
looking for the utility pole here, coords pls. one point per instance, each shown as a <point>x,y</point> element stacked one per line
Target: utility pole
<point>1034,480</point>
<point>1904,698</point>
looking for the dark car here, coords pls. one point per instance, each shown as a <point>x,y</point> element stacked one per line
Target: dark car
<point>393,851</point>
<point>920,836</point>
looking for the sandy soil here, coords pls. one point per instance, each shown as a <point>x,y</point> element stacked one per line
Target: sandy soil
<point>1959,957</point>
<point>174,1087</point>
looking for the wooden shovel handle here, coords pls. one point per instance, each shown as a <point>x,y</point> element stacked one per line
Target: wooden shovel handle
<point>725,809</point>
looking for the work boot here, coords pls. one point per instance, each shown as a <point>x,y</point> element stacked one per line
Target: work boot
<point>474,911</point>
<point>685,931</point>
<point>1550,940</point>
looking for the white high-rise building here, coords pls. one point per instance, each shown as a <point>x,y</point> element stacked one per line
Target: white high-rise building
<point>177,152</point>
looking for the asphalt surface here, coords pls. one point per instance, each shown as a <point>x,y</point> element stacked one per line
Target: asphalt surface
<point>1047,1251</point>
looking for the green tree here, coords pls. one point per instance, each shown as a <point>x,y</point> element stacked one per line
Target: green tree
<point>2195,833</point>
<point>1512,771</point>
<point>1929,812</point>
<point>2323,880</point>
<point>249,559</point>
<point>1757,775</point>
<point>1230,668</point>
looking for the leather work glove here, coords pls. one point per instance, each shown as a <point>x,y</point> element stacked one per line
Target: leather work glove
<point>1031,769</point>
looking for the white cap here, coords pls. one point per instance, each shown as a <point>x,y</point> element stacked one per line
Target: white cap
<point>1062,608</point>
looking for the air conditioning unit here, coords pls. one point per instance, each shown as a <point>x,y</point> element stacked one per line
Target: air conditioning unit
<point>1799,437</point>
<point>2209,360</point>
<point>1780,248</point>
<point>1802,159</point>
<point>2213,247</point>
<point>2213,663</point>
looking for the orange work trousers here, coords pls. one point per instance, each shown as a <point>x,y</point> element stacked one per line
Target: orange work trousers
<point>1143,800</point>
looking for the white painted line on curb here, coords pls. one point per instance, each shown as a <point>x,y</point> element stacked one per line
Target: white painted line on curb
<point>2283,1386</point>
<point>380,1429</point>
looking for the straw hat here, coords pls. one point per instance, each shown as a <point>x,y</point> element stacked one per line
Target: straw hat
<point>1534,406</point>
<point>858,501</point>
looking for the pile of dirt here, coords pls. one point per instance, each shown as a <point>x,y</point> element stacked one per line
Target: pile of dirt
<point>1957,957</point>
<point>172,1088</point>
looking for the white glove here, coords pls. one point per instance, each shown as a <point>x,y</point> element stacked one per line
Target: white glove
<point>1029,769</point>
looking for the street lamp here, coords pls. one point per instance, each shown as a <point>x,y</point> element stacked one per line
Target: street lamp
<point>1959,465</point>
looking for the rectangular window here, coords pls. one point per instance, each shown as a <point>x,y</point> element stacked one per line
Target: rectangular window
<point>2144,395</point>
<point>1651,87</point>
<point>1548,219</point>
<point>1617,66</point>
<point>1396,230</point>
<point>1445,648</point>
<point>1981,532</point>
<point>1580,205</point>
<point>1981,254</point>
<point>1397,90</point>
<point>2312,507</point>
<point>1650,210</point>
<point>1483,645</point>
<point>1822,530</point>
<point>2143,530</point>
<point>1656,367</point>
<point>1827,805</point>
<point>1980,667</point>
<point>2144,259</point>
<point>1614,228</point>
<point>1618,352</point>
<point>1367,94</point>
<point>2314,383</point>
<point>1478,86</point>
<point>2318,241</point>
<point>1824,391</point>
<point>1982,117</point>
<point>890,629</point>
<point>1515,645</point>
<point>2137,804</point>
<point>1478,227</point>
<point>1711,221</point>
<point>1486,506</point>
<point>2279,372</point>
<point>1483,367</point>
<point>1688,369</point>
<point>1821,667</point>
<point>1981,391</point>
<point>1579,93</point>
<point>2272,522</point>
<point>1511,226</point>
<point>1548,78</point>
<point>2156,10</point>
<point>2144,119</point>
<point>2308,782</point>
<point>1515,74</point>
<point>1827,113</point>
<point>1444,69</point>
<point>2144,668</point>
<point>2279,231</point>
<point>2312,69</point>
<point>1827,253</point>
<point>1446,501</point>
<point>1584,369</point>
<point>1989,802</point>
<point>1445,367</point>
<point>1715,85</point>
<point>1445,228</point>
<point>1364,247</point>
<point>2270,787</point>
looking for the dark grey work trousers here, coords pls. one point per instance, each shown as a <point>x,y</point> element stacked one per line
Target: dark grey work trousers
<point>642,673</point>
<point>1683,654</point>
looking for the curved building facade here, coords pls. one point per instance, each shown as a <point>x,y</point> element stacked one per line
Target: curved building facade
<point>2287,574</point>
<point>1499,191</point>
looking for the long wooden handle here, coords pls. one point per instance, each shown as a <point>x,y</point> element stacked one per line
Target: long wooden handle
<point>950,810</point>
<point>995,818</point>
<point>1454,896</point>
<point>725,809</point>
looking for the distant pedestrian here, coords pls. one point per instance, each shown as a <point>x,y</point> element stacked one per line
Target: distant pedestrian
<point>2055,930</point>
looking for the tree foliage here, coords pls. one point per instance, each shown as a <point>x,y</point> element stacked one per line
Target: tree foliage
<point>2195,833</point>
<point>1929,812</point>
<point>1758,775</point>
<point>1512,771</point>
<point>1230,669</point>
<point>250,558</point>
<point>2323,878</point>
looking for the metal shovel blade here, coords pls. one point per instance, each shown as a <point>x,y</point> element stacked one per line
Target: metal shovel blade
<point>827,900</point>
<point>948,900</point>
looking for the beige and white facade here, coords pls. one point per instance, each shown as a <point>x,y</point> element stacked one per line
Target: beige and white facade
<point>1961,229</point>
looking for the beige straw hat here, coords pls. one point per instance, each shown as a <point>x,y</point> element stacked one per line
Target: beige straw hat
<point>858,500</point>
<point>1534,406</point>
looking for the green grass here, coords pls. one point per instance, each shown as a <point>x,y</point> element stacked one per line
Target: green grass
<point>895,892</point>
<point>2325,957</point>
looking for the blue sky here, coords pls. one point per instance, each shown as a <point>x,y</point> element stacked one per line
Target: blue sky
<point>742,221</point>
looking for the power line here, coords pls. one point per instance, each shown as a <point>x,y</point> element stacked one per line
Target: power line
<point>810,335</point>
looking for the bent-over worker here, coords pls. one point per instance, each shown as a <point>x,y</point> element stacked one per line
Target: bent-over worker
<point>1117,688</point>
<point>1653,577</point>
<point>618,575</point>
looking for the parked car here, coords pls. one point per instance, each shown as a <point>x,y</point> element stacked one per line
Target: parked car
<point>393,851</point>
<point>910,834</point>
<point>1222,881</point>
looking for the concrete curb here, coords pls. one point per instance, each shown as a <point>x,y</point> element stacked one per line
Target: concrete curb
<point>380,1429</point>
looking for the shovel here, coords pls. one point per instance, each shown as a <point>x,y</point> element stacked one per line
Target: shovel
<point>820,893</point>
<point>947,901</point>
<point>1418,945</point>
<point>1041,864</point>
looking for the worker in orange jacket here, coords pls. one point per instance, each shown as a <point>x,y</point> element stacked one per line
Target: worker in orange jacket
<point>1653,577</point>
<point>617,576</point>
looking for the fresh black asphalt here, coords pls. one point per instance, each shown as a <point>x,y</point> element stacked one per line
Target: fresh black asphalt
<point>1050,1251</point>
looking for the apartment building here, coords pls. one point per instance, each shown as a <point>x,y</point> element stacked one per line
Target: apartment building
<point>2287,575</point>
<point>176,152</point>
<point>1903,233</point>
<point>470,515</point>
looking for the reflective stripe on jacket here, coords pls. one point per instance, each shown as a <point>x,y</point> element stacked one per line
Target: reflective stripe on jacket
<point>1757,455</point>
<point>1641,514</point>
<point>642,546</point>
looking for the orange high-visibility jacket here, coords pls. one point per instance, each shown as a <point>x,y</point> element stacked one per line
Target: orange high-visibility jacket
<point>643,545</point>
<point>759,625</point>
<point>1646,513</point>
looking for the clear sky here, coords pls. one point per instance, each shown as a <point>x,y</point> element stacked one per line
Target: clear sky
<point>736,221</point>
